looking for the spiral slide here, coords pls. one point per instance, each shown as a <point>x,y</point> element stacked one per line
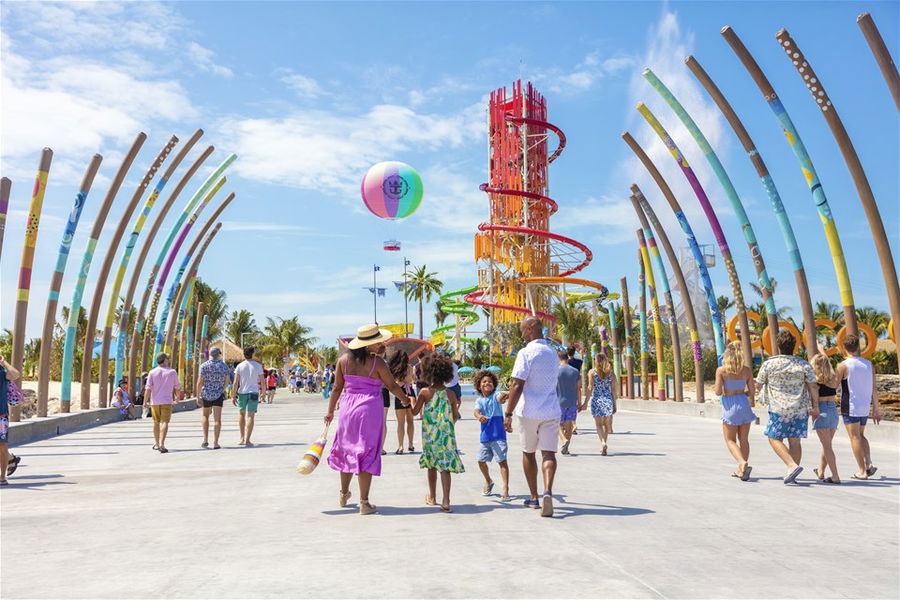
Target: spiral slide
<point>450,305</point>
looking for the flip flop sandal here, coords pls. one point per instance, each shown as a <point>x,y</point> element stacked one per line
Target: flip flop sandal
<point>155,447</point>
<point>13,465</point>
<point>398,451</point>
<point>163,450</point>
<point>505,498</point>
<point>547,506</point>
<point>830,480</point>
<point>411,449</point>
<point>446,509</point>
<point>487,490</point>
<point>4,482</point>
<point>217,447</point>
<point>204,445</point>
<point>792,476</point>
<point>367,509</point>
<point>871,470</point>
<point>735,475</point>
<point>857,477</point>
<point>430,501</point>
<point>746,475</point>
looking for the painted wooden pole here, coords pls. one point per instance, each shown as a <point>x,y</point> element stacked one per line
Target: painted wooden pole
<point>170,261</point>
<point>693,332</point>
<point>24,289</point>
<point>657,261</point>
<point>765,284</point>
<point>119,278</point>
<point>784,223</point>
<point>629,351</point>
<point>65,392</point>
<point>204,339</point>
<point>642,320</point>
<point>171,302</point>
<point>711,301</point>
<point>882,55</point>
<point>854,165</point>
<point>62,259</point>
<point>614,337</point>
<point>809,174</point>
<point>657,316</point>
<point>197,341</point>
<point>103,276</point>
<point>714,224</point>
<point>136,275</point>
<point>5,189</point>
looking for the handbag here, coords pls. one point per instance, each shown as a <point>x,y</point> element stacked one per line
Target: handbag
<point>13,394</point>
<point>313,454</point>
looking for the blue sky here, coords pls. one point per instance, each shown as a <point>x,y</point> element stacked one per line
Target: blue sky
<point>308,95</point>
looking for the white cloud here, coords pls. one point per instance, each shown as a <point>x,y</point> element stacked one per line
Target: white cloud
<point>303,86</point>
<point>252,226</point>
<point>583,76</point>
<point>328,152</point>
<point>203,58</point>
<point>611,220</point>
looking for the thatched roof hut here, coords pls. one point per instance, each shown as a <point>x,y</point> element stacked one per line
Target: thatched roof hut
<point>231,353</point>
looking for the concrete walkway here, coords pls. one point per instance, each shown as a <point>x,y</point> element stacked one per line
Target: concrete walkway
<point>98,514</point>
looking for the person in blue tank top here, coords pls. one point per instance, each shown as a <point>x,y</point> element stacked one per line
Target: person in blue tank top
<point>493,435</point>
<point>735,387</point>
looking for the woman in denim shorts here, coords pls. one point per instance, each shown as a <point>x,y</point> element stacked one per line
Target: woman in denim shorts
<point>826,425</point>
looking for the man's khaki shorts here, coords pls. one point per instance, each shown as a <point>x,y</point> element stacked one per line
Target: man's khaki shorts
<point>162,413</point>
<point>538,434</point>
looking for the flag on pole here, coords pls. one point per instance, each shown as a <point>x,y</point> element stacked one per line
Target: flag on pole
<point>377,268</point>
<point>381,291</point>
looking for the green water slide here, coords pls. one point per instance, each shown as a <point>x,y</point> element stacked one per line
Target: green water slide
<point>452,304</point>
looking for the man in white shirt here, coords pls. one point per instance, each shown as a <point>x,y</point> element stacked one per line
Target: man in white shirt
<point>859,395</point>
<point>534,377</point>
<point>248,383</point>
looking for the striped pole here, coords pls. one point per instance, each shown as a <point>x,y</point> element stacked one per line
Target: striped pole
<point>176,230</point>
<point>713,220</point>
<point>65,392</point>
<point>863,189</point>
<point>24,290</point>
<point>711,301</point>
<point>629,351</point>
<point>809,174</point>
<point>170,261</point>
<point>614,337</point>
<point>657,261</point>
<point>103,277</point>
<point>136,275</point>
<point>119,278</point>
<point>657,316</point>
<point>696,350</point>
<point>204,340</point>
<point>171,301</point>
<point>642,320</point>
<point>56,283</point>
<point>765,284</point>
<point>181,298</point>
<point>882,56</point>
<point>784,223</point>
<point>5,189</point>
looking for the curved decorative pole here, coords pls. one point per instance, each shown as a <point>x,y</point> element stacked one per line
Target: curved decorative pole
<point>711,301</point>
<point>863,189</point>
<point>184,292</point>
<point>136,275</point>
<point>809,173</point>
<point>657,316</point>
<point>5,189</point>
<point>139,332</point>
<point>784,223</point>
<point>31,234</point>
<point>696,350</point>
<point>656,258</point>
<point>642,320</point>
<point>186,304</point>
<point>195,344</point>
<point>65,391</point>
<point>176,281</point>
<point>56,283</point>
<point>126,258</point>
<point>204,341</point>
<point>629,351</point>
<point>614,337</point>
<point>765,284</point>
<point>882,56</point>
<point>170,261</point>
<point>713,223</point>
<point>105,268</point>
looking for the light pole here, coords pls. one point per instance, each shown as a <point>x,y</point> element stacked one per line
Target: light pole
<point>405,299</point>
<point>375,269</point>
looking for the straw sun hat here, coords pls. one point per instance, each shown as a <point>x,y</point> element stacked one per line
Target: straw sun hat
<point>368,335</point>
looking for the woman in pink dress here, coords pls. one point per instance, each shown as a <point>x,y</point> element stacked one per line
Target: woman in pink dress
<point>356,448</point>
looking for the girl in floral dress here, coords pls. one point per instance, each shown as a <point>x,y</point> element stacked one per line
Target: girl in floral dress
<point>440,410</point>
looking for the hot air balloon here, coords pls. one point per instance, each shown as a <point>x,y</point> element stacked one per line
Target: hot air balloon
<point>392,190</point>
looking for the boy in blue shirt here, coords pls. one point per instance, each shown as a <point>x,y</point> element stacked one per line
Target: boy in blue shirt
<point>493,435</point>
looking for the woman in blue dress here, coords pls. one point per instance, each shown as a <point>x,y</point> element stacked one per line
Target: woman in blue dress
<point>735,387</point>
<point>603,397</point>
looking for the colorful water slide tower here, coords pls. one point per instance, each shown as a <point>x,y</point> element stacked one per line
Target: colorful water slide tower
<point>519,258</point>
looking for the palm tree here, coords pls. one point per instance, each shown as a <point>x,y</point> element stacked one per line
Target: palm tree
<point>574,323</point>
<point>327,354</point>
<point>240,322</point>
<point>724,303</point>
<point>833,312</point>
<point>213,306</point>
<point>439,315</point>
<point>284,337</point>
<point>478,352</point>
<point>423,287</point>
<point>6,343</point>
<point>876,319</point>
<point>32,356</point>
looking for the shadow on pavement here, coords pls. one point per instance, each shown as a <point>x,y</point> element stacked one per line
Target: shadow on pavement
<point>613,453</point>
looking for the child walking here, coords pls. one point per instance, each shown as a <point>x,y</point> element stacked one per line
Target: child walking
<point>603,397</point>
<point>735,387</point>
<point>493,435</point>
<point>440,410</point>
